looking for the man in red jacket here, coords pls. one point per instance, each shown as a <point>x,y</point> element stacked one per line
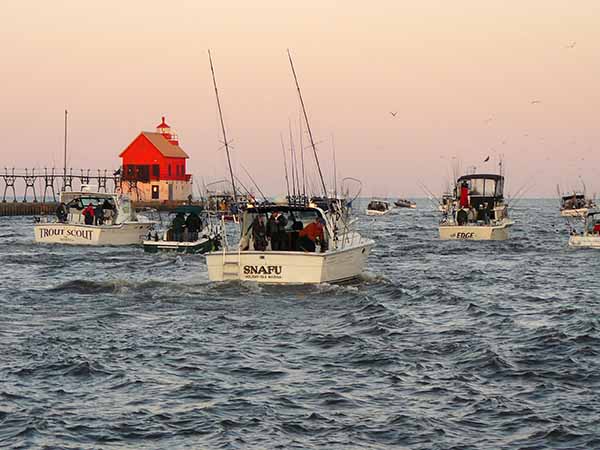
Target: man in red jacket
<point>310,234</point>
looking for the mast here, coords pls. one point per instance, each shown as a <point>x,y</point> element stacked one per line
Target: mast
<point>334,169</point>
<point>287,181</point>
<point>302,159</point>
<point>312,142</point>
<point>65,156</point>
<point>212,70</point>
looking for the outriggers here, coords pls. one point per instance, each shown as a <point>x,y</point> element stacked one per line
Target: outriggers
<point>574,204</point>
<point>93,218</point>
<point>293,243</point>
<point>477,210</point>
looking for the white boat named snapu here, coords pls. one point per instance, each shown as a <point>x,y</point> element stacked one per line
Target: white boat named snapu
<point>590,237</point>
<point>341,255</point>
<point>477,211</point>
<point>113,221</point>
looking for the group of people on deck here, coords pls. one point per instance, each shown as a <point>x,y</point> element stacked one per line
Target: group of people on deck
<point>467,213</point>
<point>296,237</point>
<point>185,228</point>
<point>92,214</point>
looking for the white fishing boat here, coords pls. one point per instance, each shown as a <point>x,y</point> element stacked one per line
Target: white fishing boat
<point>340,256</point>
<point>300,243</point>
<point>194,234</point>
<point>590,236</point>
<point>481,214</point>
<point>378,208</point>
<point>119,224</point>
<point>575,204</point>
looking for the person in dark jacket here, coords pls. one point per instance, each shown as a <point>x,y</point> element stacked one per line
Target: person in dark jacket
<point>99,214</point>
<point>259,233</point>
<point>177,226</point>
<point>193,223</point>
<point>62,212</point>
<point>297,226</point>
<point>276,231</point>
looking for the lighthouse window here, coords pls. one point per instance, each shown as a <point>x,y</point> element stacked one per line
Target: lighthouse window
<point>156,171</point>
<point>154,192</point>
<point>169,169</point>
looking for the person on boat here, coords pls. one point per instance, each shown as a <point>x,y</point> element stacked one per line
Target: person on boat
<point>193,224</point>
<point>596,229</point>
<point>311,234</point>
<point>88,214</point>
<point>297,226</point>
<point>462,216</point>
<point>464,195</point>
<point>472,215</point>
<point>259,233</point>
<point>276,231</point>
<point>61,212</point>
<point>485,214</point>
<point>177,226</point>
<point>99,214</point>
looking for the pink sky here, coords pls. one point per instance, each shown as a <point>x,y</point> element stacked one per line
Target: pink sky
<point>461,76</point>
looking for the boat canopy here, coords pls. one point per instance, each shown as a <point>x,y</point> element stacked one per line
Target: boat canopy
<point>483,185</point>
<point>188,209</point>
<point>576,195</point>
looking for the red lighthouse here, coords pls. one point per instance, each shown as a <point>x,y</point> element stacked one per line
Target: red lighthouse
<point>156,165</point>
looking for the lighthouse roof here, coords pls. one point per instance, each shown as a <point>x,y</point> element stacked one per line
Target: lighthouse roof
<point>164,146</point>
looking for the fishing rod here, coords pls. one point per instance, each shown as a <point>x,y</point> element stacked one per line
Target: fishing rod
<point>65,154</point>
<point>302,158</point>
<point>334,168</point>
<point>287,181</point>
<point>254,182</point>
<point>212,70</point>
<point>294,164</point>
<point>312,142</point>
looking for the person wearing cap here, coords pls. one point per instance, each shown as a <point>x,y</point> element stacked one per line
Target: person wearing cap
<point>311,234</point>
<point>276,231</point>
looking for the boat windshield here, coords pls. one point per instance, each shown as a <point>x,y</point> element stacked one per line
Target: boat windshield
<point>483,187</point>
<point>82,202</point>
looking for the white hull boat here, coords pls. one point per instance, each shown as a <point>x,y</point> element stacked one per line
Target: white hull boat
<point>584,241</point>
<point>374,212</point>
<point>114,221</point>
<point>378,208</point>
<point>495,232</point>
<point>590,237</point>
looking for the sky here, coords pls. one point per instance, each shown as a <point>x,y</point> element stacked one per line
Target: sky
<point>466,79</point>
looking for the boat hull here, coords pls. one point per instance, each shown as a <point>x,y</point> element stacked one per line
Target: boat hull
<point>584,241</point>
<point>581,212</point>
<point>202,246</point>
<point>275,267</point>
<point>373,212</point>
<point>128,233</point>
<point>474,232</point>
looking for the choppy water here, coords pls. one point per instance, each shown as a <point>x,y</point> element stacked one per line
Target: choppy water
<point>441,345</point>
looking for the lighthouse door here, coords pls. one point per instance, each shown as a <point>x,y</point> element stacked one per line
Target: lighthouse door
<point>170,192</point>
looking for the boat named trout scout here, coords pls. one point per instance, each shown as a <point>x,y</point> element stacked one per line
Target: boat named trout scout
<point>477,211</point>
<point>119,225</point>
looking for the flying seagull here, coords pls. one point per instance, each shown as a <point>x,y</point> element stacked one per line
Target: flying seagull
<point>486,159</point>
<point>394,113</point>
<point>571,45</point>
<point>533,102</point>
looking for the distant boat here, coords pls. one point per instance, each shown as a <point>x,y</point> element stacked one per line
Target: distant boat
<point>481,214</point>
<point>590,237</point>
<point>575,204</point>
<point>404,203</point>
<point>378,208</point>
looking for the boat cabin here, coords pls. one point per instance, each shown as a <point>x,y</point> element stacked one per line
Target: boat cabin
<point>296,218</point>
<point>484,189</point>
<point>116,210</point>
<point>378,205</point>
<point>576,200</point>
<point>592,222</point>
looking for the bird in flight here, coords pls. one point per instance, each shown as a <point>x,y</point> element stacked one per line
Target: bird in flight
<point>571,45</point>
<point>486,159</point>
<point>393,113</point>
<point>533,102</point>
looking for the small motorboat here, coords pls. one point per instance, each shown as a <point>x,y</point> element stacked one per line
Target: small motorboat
<point>378,208</point>
<point>114,220</point>
<point>575,204</point>
<point>481,214</point>
<point>404,203</point>
<point>590,236</point>
<point>195,233</point>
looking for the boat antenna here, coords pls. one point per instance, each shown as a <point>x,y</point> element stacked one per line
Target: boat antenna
<point>287,181</point>
<point>302,158</point>
<point>295,181</point>
<point>334,168</point>
<point>65,154</point>
<point>254,183</point>
<point>312,142</point>
<point>212,70</point>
